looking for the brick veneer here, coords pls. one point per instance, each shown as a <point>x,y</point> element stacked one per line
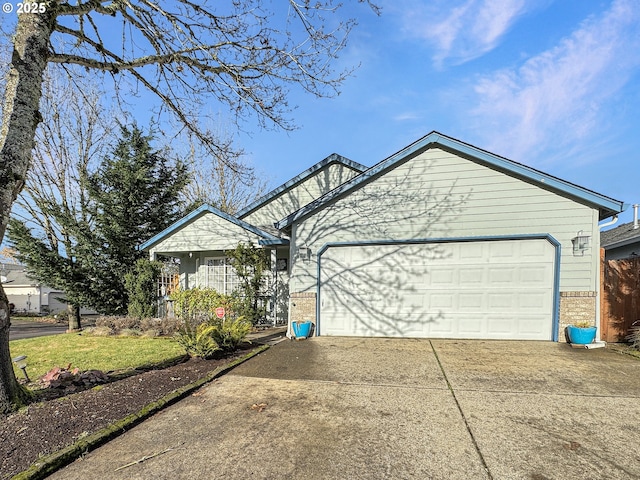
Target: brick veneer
<point>303,307</point>
<point>576,307</point>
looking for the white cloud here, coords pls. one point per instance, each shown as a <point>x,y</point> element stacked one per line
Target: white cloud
<point>557,96</point>
<point>406,116</point>
<point>462,30</point>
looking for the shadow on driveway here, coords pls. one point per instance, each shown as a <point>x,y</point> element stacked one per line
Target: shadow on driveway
<point>339,408</point>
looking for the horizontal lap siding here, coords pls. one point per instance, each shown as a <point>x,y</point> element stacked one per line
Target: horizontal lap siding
<point>438,194</point>
<point>208,232</point>
<point>293,199</point>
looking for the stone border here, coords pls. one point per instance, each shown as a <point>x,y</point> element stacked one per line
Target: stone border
<point>55,461</point>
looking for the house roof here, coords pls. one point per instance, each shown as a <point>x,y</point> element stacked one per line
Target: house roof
<point>622,235</point>
<point>298,179</point>
<point>202,210</point>
<point>607,206</point>
<point>16,276</point>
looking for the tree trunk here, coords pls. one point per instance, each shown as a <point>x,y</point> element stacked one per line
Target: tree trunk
<point>20,118</point>
<point>74,317</point>
<point>11,393</point>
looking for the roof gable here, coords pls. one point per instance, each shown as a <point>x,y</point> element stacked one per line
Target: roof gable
<point>199,212</point>
<point>606,205</point>
<point>298,180</point>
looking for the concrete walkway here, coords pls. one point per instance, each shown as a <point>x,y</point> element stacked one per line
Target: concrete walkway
<point>340,408</point>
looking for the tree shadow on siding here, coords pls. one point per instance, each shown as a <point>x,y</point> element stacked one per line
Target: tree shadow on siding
<point>378,286</point>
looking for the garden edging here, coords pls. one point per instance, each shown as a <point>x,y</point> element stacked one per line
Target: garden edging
<point>57,460</point>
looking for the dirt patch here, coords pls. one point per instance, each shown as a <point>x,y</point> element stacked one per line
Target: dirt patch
<point>46,427</point>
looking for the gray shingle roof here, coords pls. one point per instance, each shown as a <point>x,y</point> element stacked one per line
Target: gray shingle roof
<point>622,233</point>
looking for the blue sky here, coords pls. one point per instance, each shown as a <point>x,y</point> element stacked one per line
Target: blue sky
<point>551,84</point>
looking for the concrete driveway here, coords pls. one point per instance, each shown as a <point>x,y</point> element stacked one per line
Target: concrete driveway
<point>384,408</point>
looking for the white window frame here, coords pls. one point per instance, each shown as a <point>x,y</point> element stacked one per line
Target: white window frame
<point>220,275</point>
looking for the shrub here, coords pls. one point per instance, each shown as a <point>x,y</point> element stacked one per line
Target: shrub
<point>98,331</point>
<point>583,324</point>
<point>197,339</point>
<point>251,263</point>
<point>62,317</point>
<point>116,323</point>
<point>634,336</point>
<point>228,333</point>
<point>199,304</point>
<point>169,326</point>
<point>129,332</point>
<point>141,285</point>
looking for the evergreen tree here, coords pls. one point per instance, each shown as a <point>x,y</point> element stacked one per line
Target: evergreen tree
<point>133,194</point>
<point>136,194</point>
<point>142,288</point>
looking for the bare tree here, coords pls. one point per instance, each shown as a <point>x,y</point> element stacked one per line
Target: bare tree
<point>226,182</point>
<point>239,53</point>
<point>72,138</point>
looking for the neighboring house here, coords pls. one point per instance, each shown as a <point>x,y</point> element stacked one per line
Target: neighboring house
<point>28,295</point>
<point>622,241</point>
<point>440,240</point>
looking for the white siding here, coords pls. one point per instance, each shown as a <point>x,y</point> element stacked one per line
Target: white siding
<point>289,201</point>
<point>440,195</point>
<point>207,232</point>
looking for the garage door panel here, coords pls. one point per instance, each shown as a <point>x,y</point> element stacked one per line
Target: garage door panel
<point>471,275</point>
<point>441,277</point>
<point>451,290</point>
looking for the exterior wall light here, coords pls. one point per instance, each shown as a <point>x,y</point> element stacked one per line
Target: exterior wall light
<point>304,253</point>
<point>581,242</point>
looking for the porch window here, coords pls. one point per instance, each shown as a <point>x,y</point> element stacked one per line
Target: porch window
<point>220,275</point>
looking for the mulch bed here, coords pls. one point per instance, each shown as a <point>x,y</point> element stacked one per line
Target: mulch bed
<point>48,426</point>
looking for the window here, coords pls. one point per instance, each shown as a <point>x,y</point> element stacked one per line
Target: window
<point>220,275</point>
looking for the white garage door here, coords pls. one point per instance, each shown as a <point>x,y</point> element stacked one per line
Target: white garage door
<point>485,289</point>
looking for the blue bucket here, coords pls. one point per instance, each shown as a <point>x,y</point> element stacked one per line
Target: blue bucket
<point>581,336</point>
<point>301,329</point>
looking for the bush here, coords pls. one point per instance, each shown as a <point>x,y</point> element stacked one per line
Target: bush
<point>98,331</point>
<point>129,332</point>
<point>199,304</point>
<point>141,284</point>
<point>250,263</point>
<point>62,317</point>
<point>634,336</point>
<point>228,333</point>
<point>129,326</point>
<point>197,339</point>
<point>116,323</point>
<point>204,339</point>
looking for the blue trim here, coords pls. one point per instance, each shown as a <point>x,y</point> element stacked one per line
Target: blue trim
<point>333,158</point>
<point>279,241</point>
<point>607,206</point>
<point>201,211</point>
<point>417,241</point>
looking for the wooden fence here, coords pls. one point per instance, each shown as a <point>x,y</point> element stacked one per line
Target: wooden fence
<point>620,300</point>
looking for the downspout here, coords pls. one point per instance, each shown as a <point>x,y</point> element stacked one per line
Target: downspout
<point>612,222</point>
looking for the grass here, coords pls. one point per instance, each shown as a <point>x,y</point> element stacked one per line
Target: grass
<point>624,348</point>
<point>92,353</point>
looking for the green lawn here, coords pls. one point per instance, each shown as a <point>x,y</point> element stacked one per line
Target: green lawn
<point>89,352</point>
